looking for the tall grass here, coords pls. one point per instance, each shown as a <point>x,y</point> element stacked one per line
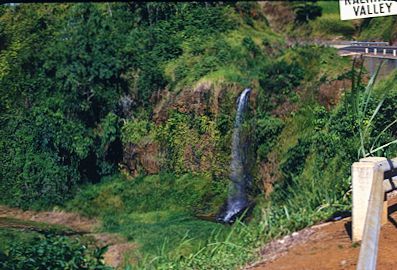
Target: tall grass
<point>366,114</point>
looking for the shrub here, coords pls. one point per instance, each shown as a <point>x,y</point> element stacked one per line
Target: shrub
<point>306,11</point>
<point>281,77</point>
<point>267,130</point>
<point>52,252</point>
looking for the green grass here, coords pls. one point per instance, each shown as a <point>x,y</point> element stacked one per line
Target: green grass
<point>190,193</point>
<point>320,63</point>
<point>17,230</point>
<point>330,25</point>
<point>164,232</point>
<point>157,212</point>
<point>379,29</point>
<point>329,7</point>
<point>302,205</point>
<point>225,56</point>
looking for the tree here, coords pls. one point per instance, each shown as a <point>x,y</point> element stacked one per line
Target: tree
<point>306,10</point>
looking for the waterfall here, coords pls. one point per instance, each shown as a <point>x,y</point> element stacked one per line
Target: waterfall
<point>237,201</point>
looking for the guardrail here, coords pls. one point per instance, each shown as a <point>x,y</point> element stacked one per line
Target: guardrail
<point>384,51</point>
<point>369,43</point>
<point>370,204</point>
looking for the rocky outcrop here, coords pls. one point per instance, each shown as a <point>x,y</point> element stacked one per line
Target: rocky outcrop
<point>195,101</point>
<point>205,97</point>
<point>330,93</point>
<point>198,151</point>
<point>142,158</point>
<point>279,14</point>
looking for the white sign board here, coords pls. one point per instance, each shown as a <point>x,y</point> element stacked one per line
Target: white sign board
<point>358,9</point>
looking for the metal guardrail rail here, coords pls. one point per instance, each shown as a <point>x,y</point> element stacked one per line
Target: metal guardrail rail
<point>372,178</point>
<point>369,43</point>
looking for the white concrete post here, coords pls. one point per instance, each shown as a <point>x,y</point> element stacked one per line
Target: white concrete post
<point>366,50</point>
<point>394,52</point>
<point>373,222</point>
<point>363,173</point>
<point>368,175</point>
<point>375,51</point>
<point>384,51</point>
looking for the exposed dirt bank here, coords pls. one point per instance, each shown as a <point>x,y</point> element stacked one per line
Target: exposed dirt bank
<point>328,246</point>
<point>71,220</point>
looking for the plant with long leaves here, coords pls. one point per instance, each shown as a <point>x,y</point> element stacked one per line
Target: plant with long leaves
<point>370,143</point>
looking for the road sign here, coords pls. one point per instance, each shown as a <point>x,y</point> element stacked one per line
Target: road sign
<point>358,9</point>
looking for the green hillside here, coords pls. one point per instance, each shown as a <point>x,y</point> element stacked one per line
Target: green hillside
<point>125,113</point>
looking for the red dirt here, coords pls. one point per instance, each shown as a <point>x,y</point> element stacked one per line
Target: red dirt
<point>328,246</point>
<point>71,220</point>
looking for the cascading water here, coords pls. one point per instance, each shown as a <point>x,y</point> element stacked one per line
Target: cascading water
<point>237,201</point>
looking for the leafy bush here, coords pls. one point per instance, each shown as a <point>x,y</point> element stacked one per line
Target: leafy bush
<point>200,133</point>
<point>134,131</point>
<point>52,252</point>
<point>163,41</point>
<point>283,77</point>
<point>40,155</point>
<point>60,99</point>
<point>109,151</point>
<point>306,11</point>
<point>295,160</point>
<point>267,130</point>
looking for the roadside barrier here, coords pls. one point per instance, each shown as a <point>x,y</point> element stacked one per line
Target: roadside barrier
<point>364,43</point>
<point>372,179</point>
<point>386,52</point>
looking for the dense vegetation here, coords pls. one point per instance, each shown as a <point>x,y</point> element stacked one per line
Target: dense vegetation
<point>124,112</point>
<point>34,245</point>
